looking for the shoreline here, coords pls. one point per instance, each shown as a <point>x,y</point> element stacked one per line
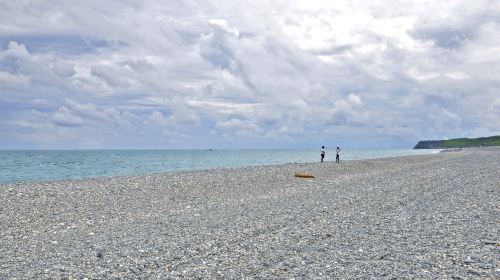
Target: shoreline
<point>201,170</point>
<point>427,216</point>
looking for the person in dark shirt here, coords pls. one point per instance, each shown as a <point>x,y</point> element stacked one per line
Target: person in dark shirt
<point>322,153</point>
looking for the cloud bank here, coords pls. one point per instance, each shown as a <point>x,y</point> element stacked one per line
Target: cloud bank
<point>247,74</point>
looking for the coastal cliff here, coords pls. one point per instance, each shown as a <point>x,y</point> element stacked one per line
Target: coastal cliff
<point>458,143</point>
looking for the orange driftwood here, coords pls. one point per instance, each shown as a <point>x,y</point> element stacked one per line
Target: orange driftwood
<point>303,175</point>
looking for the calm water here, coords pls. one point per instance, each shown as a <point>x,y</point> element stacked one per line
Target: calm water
<point>18,166</point>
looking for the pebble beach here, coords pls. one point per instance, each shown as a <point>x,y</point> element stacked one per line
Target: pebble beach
<point>414,217</point>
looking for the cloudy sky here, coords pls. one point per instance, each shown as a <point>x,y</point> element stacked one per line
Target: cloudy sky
<point>247,74</point>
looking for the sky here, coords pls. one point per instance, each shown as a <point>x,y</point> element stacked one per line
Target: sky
<point>134,74</point>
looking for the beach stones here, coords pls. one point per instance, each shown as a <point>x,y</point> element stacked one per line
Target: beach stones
<point>425,217</point>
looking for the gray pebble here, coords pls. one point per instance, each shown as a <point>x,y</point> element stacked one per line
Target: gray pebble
<point>421,217</point>
<point>474,271</point>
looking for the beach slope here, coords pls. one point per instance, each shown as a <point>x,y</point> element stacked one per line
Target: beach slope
<point>418,217</point>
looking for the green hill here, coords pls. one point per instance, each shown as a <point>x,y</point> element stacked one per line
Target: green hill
<point>458,143</point>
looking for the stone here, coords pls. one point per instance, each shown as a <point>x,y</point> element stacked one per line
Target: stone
<point>485,266</point>
<point>469,260</point>
<point>474,271</point>
<point>475,256</point>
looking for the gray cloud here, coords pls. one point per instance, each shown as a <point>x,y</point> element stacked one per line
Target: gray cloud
<point>213,73</point>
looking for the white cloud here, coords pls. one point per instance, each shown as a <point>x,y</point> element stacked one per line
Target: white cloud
<point>64,117</point>
<point>239,127</point>
<point>179,118</point>
<point>349,111</point>
<point>495,107</point>
<point>290,71</point>
<point>446,120</point>
<point>64,69</point>
<point>224,25</point>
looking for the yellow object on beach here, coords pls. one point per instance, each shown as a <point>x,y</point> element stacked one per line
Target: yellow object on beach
<point>304,175</point>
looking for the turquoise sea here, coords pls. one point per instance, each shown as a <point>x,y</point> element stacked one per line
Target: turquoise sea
<point>37,165</point>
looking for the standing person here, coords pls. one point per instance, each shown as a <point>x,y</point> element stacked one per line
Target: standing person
<point>337,158</point>
<point>322,153</point>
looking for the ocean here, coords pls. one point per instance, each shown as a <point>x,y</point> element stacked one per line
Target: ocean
<point>39,165</point>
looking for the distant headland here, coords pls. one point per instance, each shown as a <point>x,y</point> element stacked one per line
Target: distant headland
<point>459,143</point>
